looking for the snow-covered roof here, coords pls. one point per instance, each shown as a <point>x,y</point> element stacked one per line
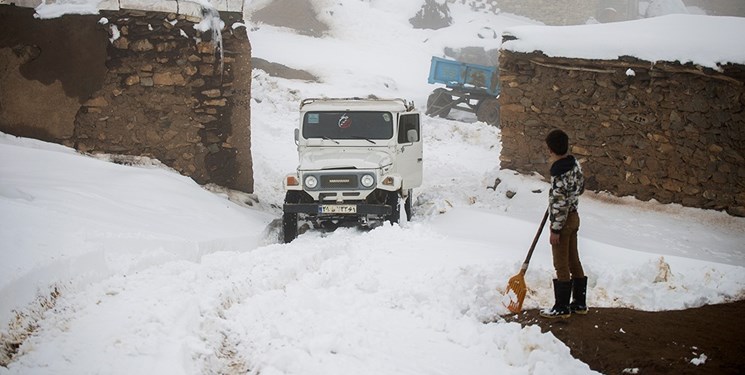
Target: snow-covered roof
<point>354,104</point>
<point>57,8</point>
<point>709,41</point>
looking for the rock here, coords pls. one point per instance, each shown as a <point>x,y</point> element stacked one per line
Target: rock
<point>121,43</point>
<point>206,70</point>
<point>190,70</point>
<point>168,79</point>
<point>433,15</point>
<point>715,148</point>
<point>132,80</point>
<point>197,82</point>
<point>98,101</point>
<point>512,108</point>
<point>580,150</point>
<point>216,102</point>
<point>213,93</point>
<point>206,48</point>
<point>736,211</point>
<point>142,45</point>
<point>166,46</point>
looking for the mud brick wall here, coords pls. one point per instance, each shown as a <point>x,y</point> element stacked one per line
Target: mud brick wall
<point>156,87</point>
<point>659,131</point>
<point>47,68</point>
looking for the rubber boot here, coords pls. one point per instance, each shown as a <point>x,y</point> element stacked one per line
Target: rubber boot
<point>562,293</point>
<point>579,296</point>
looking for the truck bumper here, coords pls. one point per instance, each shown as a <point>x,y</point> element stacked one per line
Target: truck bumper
<point>315,209</point>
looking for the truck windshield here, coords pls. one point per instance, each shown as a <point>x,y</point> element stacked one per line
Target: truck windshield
<point>348,125</point>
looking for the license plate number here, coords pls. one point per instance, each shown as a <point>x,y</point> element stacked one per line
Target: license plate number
<point>338,209</point>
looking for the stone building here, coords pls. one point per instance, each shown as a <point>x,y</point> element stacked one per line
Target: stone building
<point>655,130</point>
<point>163,82</point>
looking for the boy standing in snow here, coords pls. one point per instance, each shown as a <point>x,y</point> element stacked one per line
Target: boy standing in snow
<point>567,184</point>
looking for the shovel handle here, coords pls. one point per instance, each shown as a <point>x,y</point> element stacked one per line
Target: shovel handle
<point>535,241</point>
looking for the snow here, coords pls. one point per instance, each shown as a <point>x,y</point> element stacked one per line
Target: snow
<point>708,41</point>
<point>156,274</point>
<point>58,9</point>
<point>700,360</point>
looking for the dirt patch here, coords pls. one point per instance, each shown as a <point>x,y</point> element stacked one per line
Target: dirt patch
<point>295,14</point>
<point>282,71</point>
<point>616,341</point>
<point>24,325</point>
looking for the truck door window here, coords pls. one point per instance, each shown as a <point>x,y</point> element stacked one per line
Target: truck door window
<point>348,125</point>
<point>406,123</point>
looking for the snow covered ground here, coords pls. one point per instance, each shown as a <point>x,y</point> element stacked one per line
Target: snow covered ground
<point>135,269</point>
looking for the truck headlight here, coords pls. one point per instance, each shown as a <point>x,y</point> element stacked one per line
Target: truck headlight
<point>311,182</point>
<point>367,180</point>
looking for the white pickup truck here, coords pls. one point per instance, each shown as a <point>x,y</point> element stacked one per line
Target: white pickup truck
<point>358,159</point>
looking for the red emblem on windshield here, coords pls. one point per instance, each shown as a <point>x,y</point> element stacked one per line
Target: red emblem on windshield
<point>345,121</point>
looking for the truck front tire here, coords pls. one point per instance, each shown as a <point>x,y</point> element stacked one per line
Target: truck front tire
<point>392,201</point>
<point>407,205</point>
<point>289,219</point>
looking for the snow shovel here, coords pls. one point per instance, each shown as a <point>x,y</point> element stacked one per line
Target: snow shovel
<point>516,287</point>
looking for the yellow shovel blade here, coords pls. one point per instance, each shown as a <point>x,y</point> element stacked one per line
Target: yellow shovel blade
<point>516,290</point>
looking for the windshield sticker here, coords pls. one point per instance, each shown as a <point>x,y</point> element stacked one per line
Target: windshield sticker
<point>387,117</point>
<point>345,121</point>
<point>313,118</point>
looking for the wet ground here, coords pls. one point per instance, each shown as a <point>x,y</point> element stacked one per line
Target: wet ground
<point>623,341</point>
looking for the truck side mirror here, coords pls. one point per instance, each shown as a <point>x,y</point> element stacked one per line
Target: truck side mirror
<point>412,136</point>
<point>297,136</point>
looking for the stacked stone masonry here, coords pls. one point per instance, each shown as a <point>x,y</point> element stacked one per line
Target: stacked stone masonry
<point>163,90</point>
<point>664,131</point>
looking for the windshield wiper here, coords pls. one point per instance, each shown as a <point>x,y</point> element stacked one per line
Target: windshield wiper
<point>365,138</point>
<point>330,139</point>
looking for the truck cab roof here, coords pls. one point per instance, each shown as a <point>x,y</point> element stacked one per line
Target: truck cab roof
<point>355,104</point>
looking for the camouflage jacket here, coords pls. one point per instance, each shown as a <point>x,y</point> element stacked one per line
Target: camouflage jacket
<point>567,184</point>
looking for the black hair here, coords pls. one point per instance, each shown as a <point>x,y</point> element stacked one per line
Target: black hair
<point>558,142</point>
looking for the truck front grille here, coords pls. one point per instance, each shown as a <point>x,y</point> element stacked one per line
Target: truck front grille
<point>339,182</point>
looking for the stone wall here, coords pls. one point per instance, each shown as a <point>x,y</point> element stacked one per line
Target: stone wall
<point>664,131</point>
<point>150,84</point>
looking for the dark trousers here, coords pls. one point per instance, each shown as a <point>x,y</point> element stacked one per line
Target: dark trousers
<point>566,256</point>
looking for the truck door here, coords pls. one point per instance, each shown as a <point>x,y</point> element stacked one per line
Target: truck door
<point>409,150</point>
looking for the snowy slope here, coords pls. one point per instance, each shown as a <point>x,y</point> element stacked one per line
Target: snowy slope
<point>155,274</point>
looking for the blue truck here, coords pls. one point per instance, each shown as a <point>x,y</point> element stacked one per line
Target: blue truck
<point>468,87</point>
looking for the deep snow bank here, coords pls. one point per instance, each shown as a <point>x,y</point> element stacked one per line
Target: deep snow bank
<point>71,218</point>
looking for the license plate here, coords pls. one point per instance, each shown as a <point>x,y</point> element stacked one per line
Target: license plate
<point>338,209</point>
